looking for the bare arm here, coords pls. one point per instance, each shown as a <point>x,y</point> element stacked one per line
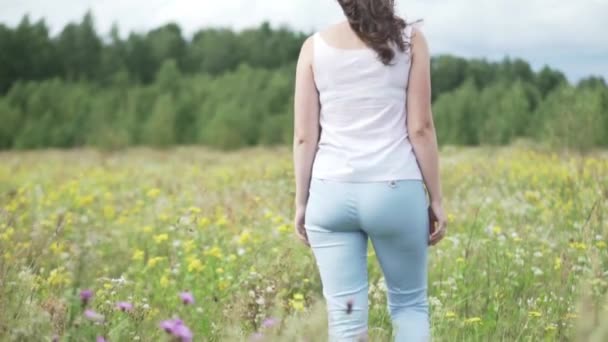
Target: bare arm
<point>421,129</point>
<point>306,123</point>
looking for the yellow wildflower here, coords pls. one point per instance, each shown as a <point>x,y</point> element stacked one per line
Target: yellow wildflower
<point>58,277</point>
<point>244,237</point>
<point>138,255</point>
<point>154,261</point>
<point>164,281</point>
<point>578,245</point>
<point>214,251</point>
<point>7,235</point>
<point>450,314</point>
<point>109,212</point>
<point>188,245</point>
<point>222,284</point>
<point>558,263</point>
<point>153,193</point>
<point>472,320</point>
<point>534,314</point>
<point>284,228</point>
<point>600,244</point>
<point>161,237</point>
<point>298,296</point>
<point>219,270</point>
<point>203,222</point>
<point>496,229</point>
<point>195,265</point>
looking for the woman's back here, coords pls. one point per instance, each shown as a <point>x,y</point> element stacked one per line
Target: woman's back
<point>362,111</point>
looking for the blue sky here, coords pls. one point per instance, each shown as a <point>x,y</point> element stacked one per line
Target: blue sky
<point>565,34</point>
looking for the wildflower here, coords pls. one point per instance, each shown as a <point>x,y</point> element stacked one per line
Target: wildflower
<point>100,339</point>
<point>472,320</point>
<point>600,244</point>
<point>153,193</point>
<point>270,322</point>
<point>153,261</point>
<point>188,246</point>
<point>550,327</point>
<point>450,314</point>
<point>203,222</point>
<point>164,281</point>
<point>161,237</point>
<point>558,263</point>
<point>496,230</point>
<point>124,306</point>
<point>85,296</point>
<point>244,237</point>
<point>578,245</point>
<point>194,210</point>
<point>186,297</point>
<point>138,255</point>
<point>534,314</point>
<point>177,328</point>
<point>298,296</point>
<point>93,316</point>
<point>194,265</point>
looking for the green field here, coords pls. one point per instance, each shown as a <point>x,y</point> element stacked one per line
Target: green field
<point>525,259</point>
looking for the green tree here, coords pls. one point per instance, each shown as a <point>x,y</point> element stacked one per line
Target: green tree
<point>159,129</point>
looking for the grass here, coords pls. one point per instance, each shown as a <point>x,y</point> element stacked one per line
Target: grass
<point>525,259</point>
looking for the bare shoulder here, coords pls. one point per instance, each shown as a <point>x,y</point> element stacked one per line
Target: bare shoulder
<point>307,48</point>
<point>334,28</point>
<point>419,42</point>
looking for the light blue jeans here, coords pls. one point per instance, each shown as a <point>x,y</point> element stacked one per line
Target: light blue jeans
<point>339,218</point>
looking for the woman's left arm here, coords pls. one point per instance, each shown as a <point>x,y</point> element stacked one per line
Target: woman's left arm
<point>306,131</point>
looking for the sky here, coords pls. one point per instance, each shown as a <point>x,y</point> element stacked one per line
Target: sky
<point>568,35</point>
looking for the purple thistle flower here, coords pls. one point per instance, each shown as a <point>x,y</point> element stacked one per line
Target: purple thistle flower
<point>186,297</point>
<point>55,338</point>
<point>177,328</point>
<point>85,296</point>
<point>124,306</point>
<point>183,332</point>
<point>93,316</point>
<point>270,322</point>
<point>167,326</point>
<point>101,339</point>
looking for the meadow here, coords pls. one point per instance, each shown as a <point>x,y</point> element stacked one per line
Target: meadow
<point>117,246</point>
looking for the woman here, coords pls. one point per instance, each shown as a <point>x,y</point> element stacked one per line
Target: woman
<point>364,150</point>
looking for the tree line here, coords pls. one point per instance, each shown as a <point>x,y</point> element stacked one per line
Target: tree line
<point>231,89</point>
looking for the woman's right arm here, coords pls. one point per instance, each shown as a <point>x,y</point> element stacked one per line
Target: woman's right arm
<point>421,129</point>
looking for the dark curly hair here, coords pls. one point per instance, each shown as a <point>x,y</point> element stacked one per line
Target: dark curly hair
<point>375,23</point>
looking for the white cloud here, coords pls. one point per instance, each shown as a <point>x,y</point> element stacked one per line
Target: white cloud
<point>569,35</point>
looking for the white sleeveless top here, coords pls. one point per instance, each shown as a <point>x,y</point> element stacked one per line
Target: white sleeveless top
<point>362,115</point>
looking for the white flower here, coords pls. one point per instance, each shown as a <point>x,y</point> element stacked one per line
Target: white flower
<point>538,254</point>
<point>537,271</point>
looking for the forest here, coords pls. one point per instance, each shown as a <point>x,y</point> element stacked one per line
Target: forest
<point>230,89</point>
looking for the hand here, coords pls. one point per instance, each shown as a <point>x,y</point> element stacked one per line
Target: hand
<point>437,223</point>
<point>299,225</point>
